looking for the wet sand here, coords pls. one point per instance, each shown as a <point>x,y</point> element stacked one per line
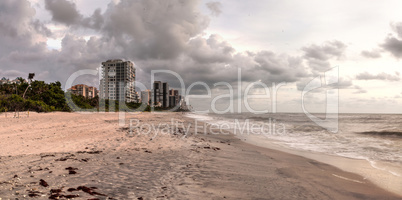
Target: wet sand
<point>81,156</point>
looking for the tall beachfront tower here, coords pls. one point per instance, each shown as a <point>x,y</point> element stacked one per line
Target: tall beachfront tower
<point>160,94</point>
<point>146,97</point>
<point>118,81</point>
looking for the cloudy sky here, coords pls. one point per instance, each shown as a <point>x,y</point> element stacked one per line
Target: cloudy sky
<point>270,42</point>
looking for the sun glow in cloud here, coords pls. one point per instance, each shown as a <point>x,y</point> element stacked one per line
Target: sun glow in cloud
<point>53,44</point>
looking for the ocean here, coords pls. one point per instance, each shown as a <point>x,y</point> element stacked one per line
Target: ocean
<point>367,144</point>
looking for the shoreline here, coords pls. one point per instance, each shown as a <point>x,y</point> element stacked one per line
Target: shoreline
<point>380,177</point>
<point>340,163</point>
<point>96,158</point>
<point>374,171</point>
<point>271,174</point>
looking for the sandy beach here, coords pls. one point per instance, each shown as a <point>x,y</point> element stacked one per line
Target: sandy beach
<point>90,156</point>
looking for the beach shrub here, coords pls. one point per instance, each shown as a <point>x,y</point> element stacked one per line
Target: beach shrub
<point>38,106</point>
<point>40,97</point>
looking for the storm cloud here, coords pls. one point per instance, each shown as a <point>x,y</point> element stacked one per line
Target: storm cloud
<point>318,56</point>
<point>141,31</point>
<point>393,44</point>
<point>63,11</point>
<point>163,35</point>
<point>325,51</point>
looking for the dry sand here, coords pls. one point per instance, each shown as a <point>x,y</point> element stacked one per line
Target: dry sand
<point>89,156</point>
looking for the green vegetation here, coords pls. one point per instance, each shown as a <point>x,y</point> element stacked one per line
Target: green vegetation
<point>40,97</point>
<point>49,97</point>
<point>81,103</point>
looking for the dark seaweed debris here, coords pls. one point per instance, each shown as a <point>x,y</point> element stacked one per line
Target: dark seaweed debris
<point>43,183</point>
<point>90,190</point>
<point>56,194</point>
<point>71,189</point>
<point>89,152</point>
<point>71,170</point>
<point>32,193</point>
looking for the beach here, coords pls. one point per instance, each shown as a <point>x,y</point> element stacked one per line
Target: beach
<point>155,156</point>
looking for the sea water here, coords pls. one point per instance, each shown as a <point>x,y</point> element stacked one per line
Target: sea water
<point>367,144</point>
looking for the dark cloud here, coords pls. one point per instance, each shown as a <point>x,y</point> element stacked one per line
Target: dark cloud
<point>22,39</point>
<point>318,56</point>
<point>381,76</point>
<point>212,60</point>
<point>142,31</point>
<point>393,45</point>
<point>325,51</point>
<point>371,54</point>
<point>16,24</point>
<point>96,21</point>
<point>272,67</point>
<point>319,65</point>
<point>211,50</point>
<point>154,29</point>
<point>215,8</point>
<point>266,67</point>
<point>63,11</point>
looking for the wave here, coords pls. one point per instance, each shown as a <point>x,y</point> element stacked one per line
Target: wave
<point>308,128</point>
<point>382,133</point>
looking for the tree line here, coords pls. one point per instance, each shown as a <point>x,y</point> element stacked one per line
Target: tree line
<point>48,97</point>
<point>40,97</point>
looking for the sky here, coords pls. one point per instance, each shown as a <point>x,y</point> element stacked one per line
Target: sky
<point>224,44</point>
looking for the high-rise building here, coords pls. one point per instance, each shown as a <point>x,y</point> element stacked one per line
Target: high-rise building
<point>137,97</point>
<point>165,95</point>
<point>118,81</point>
<point>84,90</point>
<point>92,92</point>
<point>172,101</point>
<point>174,98</point>
<point>161,94</point>
<point>157,93</point>
<point>146,97</point>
